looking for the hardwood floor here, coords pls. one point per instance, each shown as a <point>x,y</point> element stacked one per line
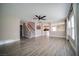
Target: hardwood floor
<point>41,46</point>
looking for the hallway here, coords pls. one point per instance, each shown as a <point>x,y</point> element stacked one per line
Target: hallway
<point>41,46</point>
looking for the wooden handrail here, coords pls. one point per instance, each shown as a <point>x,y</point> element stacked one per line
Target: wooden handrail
<point>31,26</point>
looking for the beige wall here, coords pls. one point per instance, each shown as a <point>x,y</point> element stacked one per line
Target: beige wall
<point>0,21</point>
<point>9,29</point>
<point>60,30</point>
<point>77,26</point>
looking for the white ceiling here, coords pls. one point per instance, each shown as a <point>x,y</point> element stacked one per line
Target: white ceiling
<point>52,11</point>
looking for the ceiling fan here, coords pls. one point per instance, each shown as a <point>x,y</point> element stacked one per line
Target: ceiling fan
<point>40,17</point>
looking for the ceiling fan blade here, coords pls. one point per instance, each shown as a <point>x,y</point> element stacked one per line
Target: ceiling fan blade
<point>36,16</point>
<point>43,17</point>
<point>40,18</point>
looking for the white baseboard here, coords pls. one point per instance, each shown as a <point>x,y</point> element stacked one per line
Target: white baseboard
<point>58,36</point>
<point>8,41</point>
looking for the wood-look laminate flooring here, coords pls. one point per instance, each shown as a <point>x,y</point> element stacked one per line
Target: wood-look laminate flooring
<point>41,46</point>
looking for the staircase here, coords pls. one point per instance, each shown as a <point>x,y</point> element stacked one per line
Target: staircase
<point>29,29</point>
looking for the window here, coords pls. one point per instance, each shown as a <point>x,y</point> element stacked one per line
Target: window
<point>72,27</point>
<point>54,28</point>
<point>69,28</point>
<point>72,20</point>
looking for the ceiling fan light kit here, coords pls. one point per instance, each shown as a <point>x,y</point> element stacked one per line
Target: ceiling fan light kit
<point>38,17</point>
